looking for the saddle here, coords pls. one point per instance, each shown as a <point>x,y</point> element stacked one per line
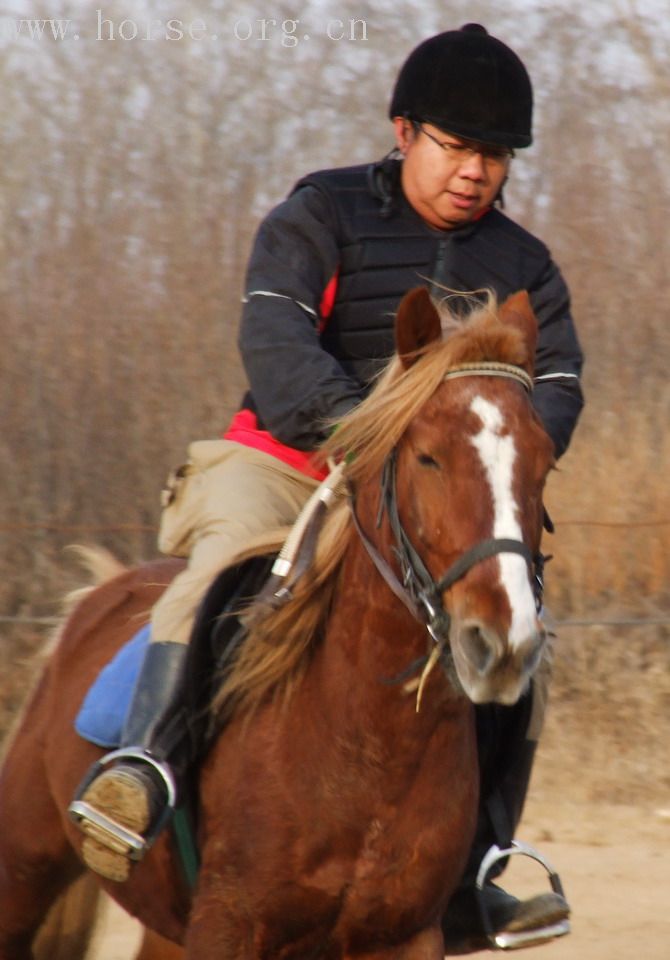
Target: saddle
<point>217,633</point>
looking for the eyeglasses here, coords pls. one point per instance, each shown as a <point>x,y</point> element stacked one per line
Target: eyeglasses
<point>462,150</point>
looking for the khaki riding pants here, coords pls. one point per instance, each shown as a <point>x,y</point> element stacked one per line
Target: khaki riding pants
<point>226,495</point>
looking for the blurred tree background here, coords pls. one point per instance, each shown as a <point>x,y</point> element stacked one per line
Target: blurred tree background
<point>140,145</point>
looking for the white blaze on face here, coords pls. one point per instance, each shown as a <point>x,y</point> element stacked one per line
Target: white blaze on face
<point>498,453</point>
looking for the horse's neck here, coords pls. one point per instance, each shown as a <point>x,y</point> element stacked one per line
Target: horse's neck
<point>360,713</point>
<point>372,639</point>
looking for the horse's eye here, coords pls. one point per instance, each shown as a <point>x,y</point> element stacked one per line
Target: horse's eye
<point>426,460</point>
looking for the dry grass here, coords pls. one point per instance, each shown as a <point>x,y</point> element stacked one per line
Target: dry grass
<point>611,506</point>
<point>609,718</point>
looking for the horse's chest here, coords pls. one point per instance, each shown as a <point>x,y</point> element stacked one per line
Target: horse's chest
<point>386,851</point>
<point>402,866</point>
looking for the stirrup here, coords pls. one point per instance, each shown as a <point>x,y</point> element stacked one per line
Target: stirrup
<point>513,940</point>
<point>117,837</point>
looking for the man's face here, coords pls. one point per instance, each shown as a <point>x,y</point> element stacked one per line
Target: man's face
<point>449,181</point>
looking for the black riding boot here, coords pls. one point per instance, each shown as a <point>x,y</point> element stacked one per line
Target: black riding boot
<point>126,798</point>
<point>477,918</point>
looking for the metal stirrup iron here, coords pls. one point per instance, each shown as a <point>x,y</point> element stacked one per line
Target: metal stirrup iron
<point>513,940</point>
<point>118,837</point>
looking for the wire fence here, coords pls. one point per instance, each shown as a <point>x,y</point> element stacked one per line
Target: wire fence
<point>572,622</point>
<point>78,527</point>
<point>57,527</point>
<point>626,622</point>
<point>35,621</point>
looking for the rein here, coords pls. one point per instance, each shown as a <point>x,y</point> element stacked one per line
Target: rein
<point>416,587</point>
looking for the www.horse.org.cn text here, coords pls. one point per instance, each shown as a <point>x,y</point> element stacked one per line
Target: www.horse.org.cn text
<point>289,32</point>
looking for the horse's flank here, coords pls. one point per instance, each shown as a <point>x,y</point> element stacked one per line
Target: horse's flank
<point>277,650</point>
<point>100,566</point>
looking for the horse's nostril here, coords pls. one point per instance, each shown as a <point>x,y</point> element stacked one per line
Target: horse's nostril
<point>477,648</point>
<point>534,653</point>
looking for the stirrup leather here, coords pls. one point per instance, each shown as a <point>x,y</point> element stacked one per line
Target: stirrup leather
<point>118,837</point>
<point>513,940</point>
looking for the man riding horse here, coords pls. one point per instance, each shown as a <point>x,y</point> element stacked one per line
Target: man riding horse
<point>328,268</point>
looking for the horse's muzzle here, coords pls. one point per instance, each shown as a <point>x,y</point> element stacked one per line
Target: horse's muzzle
<point>490,671</point>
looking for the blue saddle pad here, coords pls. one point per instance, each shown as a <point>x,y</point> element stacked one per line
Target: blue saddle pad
<point>101,716</point>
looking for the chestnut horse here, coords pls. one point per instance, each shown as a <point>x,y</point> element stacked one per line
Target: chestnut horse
<point>338,803</point>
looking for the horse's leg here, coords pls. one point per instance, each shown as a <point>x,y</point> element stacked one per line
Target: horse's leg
<point>155,947</point>
<point>36,860</point>
<point>426,945</point>
<point>70,924</point>
<point>217,928</point>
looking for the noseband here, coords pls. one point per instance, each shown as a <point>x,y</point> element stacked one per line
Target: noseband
<point>416,587</point>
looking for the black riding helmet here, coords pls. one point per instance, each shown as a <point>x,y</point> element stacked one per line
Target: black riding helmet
<point>468,83</point>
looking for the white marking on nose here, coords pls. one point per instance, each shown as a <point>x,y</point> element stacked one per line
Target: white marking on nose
<point>498,453</point>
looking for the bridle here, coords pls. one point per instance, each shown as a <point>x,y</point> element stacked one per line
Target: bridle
<point>416,587</point>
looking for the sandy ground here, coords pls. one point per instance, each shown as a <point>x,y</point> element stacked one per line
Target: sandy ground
<point>613,861</point>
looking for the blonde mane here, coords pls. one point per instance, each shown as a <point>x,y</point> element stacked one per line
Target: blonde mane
<point>278,647</point>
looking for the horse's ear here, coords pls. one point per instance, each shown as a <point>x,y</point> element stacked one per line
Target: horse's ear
<point>417,324</point>
<point>517,312</point>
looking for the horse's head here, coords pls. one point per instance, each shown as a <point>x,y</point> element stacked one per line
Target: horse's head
<point>471,471</point>
<point>462,488</point>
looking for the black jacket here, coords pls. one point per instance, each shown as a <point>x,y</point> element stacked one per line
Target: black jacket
<point>351,232</point>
